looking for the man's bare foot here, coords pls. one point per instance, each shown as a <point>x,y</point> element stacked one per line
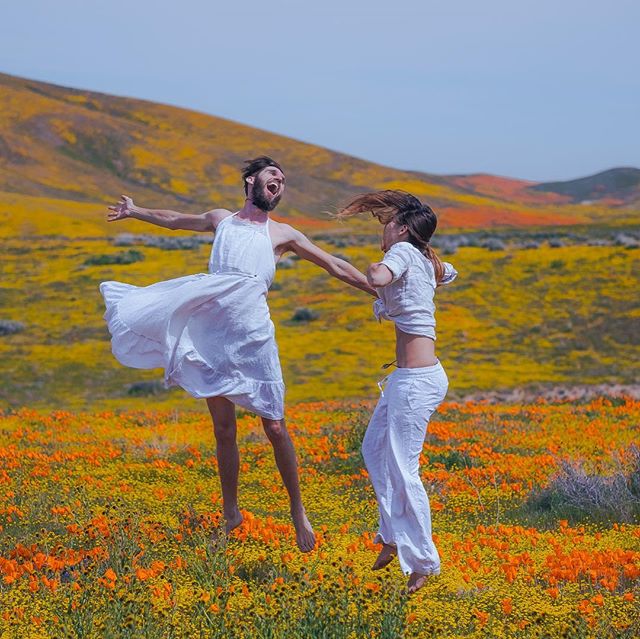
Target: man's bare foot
<point>305,537</point>
<point>416,581</point>
<point>385,557</point>
<point>233,520</point>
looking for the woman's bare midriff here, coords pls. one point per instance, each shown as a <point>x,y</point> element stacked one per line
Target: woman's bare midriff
<point>414,351</point>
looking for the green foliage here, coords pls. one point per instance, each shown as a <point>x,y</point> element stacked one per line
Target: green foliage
<point>10,327</point>
<point>124,257</point>
<point>303,314</point>
<point>451,459</point>
<point>146,388</point>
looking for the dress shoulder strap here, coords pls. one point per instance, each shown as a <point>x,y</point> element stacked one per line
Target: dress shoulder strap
<point>224,219</point>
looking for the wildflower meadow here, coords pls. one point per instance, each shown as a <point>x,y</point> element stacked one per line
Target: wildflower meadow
<point>110,527</point>
<point>110,504</point>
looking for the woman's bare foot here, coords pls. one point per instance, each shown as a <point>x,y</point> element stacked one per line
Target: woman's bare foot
<point>305,537</point>
<point>385,557</point>
<point>416,581</point>
<point>232,520</point>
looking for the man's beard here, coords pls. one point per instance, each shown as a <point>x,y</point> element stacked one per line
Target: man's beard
<point>259,199</point>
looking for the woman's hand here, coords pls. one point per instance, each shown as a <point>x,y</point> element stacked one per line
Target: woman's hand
<point>124,208</point>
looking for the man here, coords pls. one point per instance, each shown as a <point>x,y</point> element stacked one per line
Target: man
<point>213,334</point>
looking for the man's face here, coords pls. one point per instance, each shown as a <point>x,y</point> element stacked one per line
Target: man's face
<point>267,188</point>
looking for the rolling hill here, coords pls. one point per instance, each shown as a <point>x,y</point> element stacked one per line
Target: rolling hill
<point>522,312</point>
<point>617,187</point>
<point>65,153</point>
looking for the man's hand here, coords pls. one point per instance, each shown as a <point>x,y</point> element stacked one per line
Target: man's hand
<point>124,208</point>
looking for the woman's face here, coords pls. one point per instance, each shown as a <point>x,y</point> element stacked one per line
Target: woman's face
<point>392,233</point>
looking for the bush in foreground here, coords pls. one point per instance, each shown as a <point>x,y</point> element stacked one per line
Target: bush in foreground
<point>576,495</point>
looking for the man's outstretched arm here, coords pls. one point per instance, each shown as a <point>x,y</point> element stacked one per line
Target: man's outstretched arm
<point>307,250</point>
<point>207,221</point>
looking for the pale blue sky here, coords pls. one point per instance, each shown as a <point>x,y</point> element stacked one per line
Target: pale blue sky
<point>541,90</point>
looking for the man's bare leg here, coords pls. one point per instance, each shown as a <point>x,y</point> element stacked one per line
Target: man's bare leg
<point>287,464</point>
<point>385,557</point>
<point>223,414</point>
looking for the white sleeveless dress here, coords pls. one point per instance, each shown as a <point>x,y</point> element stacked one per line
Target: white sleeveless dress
<point>211,332</point>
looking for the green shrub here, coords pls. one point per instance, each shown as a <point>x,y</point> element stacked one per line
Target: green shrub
<point>9,327</point>
<point>141,389</point>
<point>125,257</point>
<point>304,315</point>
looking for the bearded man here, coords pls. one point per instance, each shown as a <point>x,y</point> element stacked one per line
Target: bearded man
<point>212,332</point>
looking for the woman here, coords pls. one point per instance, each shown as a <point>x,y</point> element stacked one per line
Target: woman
<point>406,279</point>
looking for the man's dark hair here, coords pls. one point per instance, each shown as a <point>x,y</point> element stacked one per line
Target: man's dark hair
<point>255,166</point>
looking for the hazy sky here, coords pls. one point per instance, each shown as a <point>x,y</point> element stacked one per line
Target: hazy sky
<point>545,89</point>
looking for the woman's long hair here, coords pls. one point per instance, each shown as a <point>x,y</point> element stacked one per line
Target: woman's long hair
<point>405,209</point>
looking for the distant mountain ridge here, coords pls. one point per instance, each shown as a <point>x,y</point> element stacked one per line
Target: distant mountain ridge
<point>65,152</point>
<point>621,184</point>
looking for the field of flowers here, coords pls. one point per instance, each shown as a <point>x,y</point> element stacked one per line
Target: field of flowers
<point>109,527</point>
<point>516,317</point>
<point>110,518</point>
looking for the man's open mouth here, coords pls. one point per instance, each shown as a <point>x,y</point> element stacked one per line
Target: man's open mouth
<point>272,188</point>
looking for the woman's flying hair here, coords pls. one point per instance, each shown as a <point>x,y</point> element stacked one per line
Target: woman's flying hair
<point>405,209</point>
<point>255,166</point>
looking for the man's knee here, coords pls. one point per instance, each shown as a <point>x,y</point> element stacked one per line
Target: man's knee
<point>223,415</point>
<point>275,429</point>
<point>225,431</point>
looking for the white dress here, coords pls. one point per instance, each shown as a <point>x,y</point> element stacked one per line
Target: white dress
<point>211,332</point>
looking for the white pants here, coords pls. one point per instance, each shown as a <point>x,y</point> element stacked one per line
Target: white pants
<point>391,449</point>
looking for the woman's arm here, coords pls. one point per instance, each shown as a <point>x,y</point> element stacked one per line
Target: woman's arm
<point>392,266</point>
<point>207,221</point>
<point>341,269</point>
<point>379,274</point>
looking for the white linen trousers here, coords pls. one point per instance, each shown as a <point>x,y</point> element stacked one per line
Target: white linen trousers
<point>391,449</point>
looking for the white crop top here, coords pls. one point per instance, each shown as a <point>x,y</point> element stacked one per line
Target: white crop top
<point>408,299</point>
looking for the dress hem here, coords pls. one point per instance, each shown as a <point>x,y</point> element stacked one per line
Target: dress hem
<point>126,346</point>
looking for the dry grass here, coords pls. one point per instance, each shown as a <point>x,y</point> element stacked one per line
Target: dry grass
<point>577,494</point>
